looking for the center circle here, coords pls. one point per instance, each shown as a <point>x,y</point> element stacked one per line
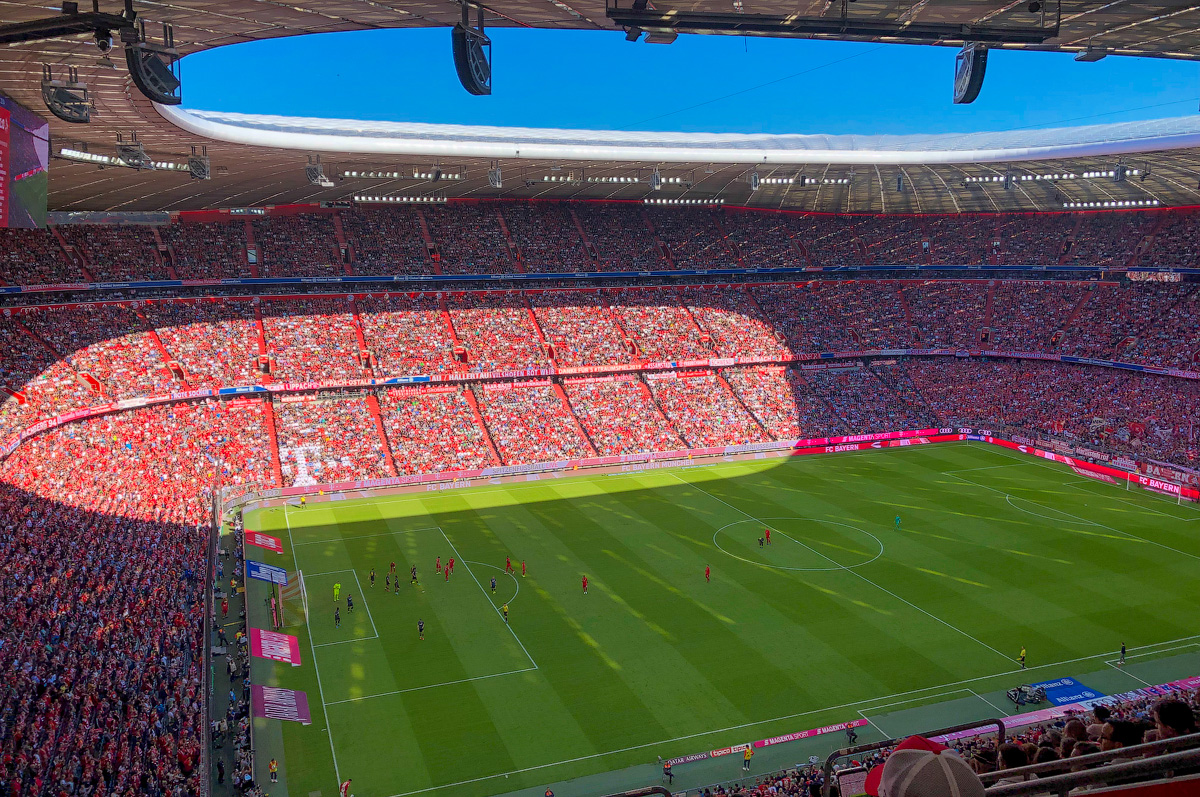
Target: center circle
<point>798,544</point>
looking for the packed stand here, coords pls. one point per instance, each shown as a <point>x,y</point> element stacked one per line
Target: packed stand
<point>735,325</point>
<point>497,332</point>
<point>34,257</point>
<point>431,431</point>
<point>109,342</point>
<point>49,385</point>
<point>214,342</point>
<point>386,241</point>
<point>1145,415</point>
<point>764,240</point>
<point>1026,315</point>
<point>311,340</point>
<point>1116,314</point>
<point>620,236</point>
<point>580,328</point>
<point>303,246</point>
<point>620,417</point>
<point>705,413</point>
<point>864,403</point>
<point>949,314</point>
<point>1171,340</point>
<point>1030,239</point>
<point>323,441</point>
<point>209,250</point>
<point>834,240</point>
<point>546,236</point>
<point>693,237</point>
<point>469,238</point>
<point>117,253</point>
<point>784,403</point>
<point>958,240</point>
<point>1108,239</point>
<point>659,325</point>
<point>1175,244</point>
<point>899,240</point>
<point>105,532</point>
<point>809,316</point>
<point>530,424</point>
<point>406,335</point>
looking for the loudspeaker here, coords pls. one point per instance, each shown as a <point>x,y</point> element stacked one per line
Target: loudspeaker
<point>969,68</point>
<point>472,59</point>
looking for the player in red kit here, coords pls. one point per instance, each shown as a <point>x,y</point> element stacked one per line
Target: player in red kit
<point>522,568</point>
<point>707,573</point>
<point>438,566</point>
<point>507,564</point>
<point>585,585</point>
<point>346,788</point>
<point>768,536</point>
<point>447,571</point>
<point>450,564</point>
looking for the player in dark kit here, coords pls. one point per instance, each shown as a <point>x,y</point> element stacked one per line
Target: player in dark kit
<point>337,617</point>
<point>349,604</point>
<point>493,585</point>
<point>413,570</point>
<point>420,629</point>
<point>372,576</point>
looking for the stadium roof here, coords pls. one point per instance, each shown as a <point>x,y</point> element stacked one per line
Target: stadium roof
<point>260,160</point>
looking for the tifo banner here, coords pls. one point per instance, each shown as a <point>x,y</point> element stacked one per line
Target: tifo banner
<point>257,538</point>
<point>275,646</point>
<point>264,572</point>
<point>1065,691</point>
<point>279,704</point>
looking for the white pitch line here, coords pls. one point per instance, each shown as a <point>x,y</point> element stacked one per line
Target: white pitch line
<point>861,576</point>
<point>363,597</point>
<point>1003,712</point>
<point>485,595</point>
<point>430,686</point>
<point>1078,519</point>
<point>502,570</point>
<point>745,725</point>
<point>874,725</point>
<point>1123,671</point>
<point>316,667</point>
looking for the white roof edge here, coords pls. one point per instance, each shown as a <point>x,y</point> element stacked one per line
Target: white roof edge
<point>506,143</point>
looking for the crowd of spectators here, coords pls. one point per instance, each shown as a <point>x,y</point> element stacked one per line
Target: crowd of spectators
<point>704,412</point>
<point>1174,244</point>
<point>580,328</point>
<point>312,339</point>
<point>692,236</point>
<point>1115,315</point>
<point>302,245</point>
<point>214,341</point>
<point>735,325</point>
<point>49,385</point>
<point>620,416</point>
<point>530,424</point>
<point>546,236</point>
<point>784,402</point>
<point>407,334</point>
<point>432,432</point>
<point>621,238</point>
<point>386,241</point>
<point>496,331</point>
<point>207,250</point>
<point>659,325</point>
<point>326,440</point>
<point>1124,411</point>
<point>864,403</point>
<point>1027,315</point>
<point>34,257</point>
<point>469,238</point>
<point>111,343</point>
<point>764,240</point>
<point>949,314</point>
<point>117,252</point>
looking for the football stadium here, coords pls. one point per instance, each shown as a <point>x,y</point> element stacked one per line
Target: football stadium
<point>362,457</point>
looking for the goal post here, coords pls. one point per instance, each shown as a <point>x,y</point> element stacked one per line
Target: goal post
<point>295,602</point>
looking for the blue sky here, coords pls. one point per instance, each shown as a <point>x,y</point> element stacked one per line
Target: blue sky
<point>597,80</point>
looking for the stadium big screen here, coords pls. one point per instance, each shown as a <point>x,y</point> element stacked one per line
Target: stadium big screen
<point>24,163</point>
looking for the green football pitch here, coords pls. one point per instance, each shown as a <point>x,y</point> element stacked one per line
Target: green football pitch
<point>844,609</point>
